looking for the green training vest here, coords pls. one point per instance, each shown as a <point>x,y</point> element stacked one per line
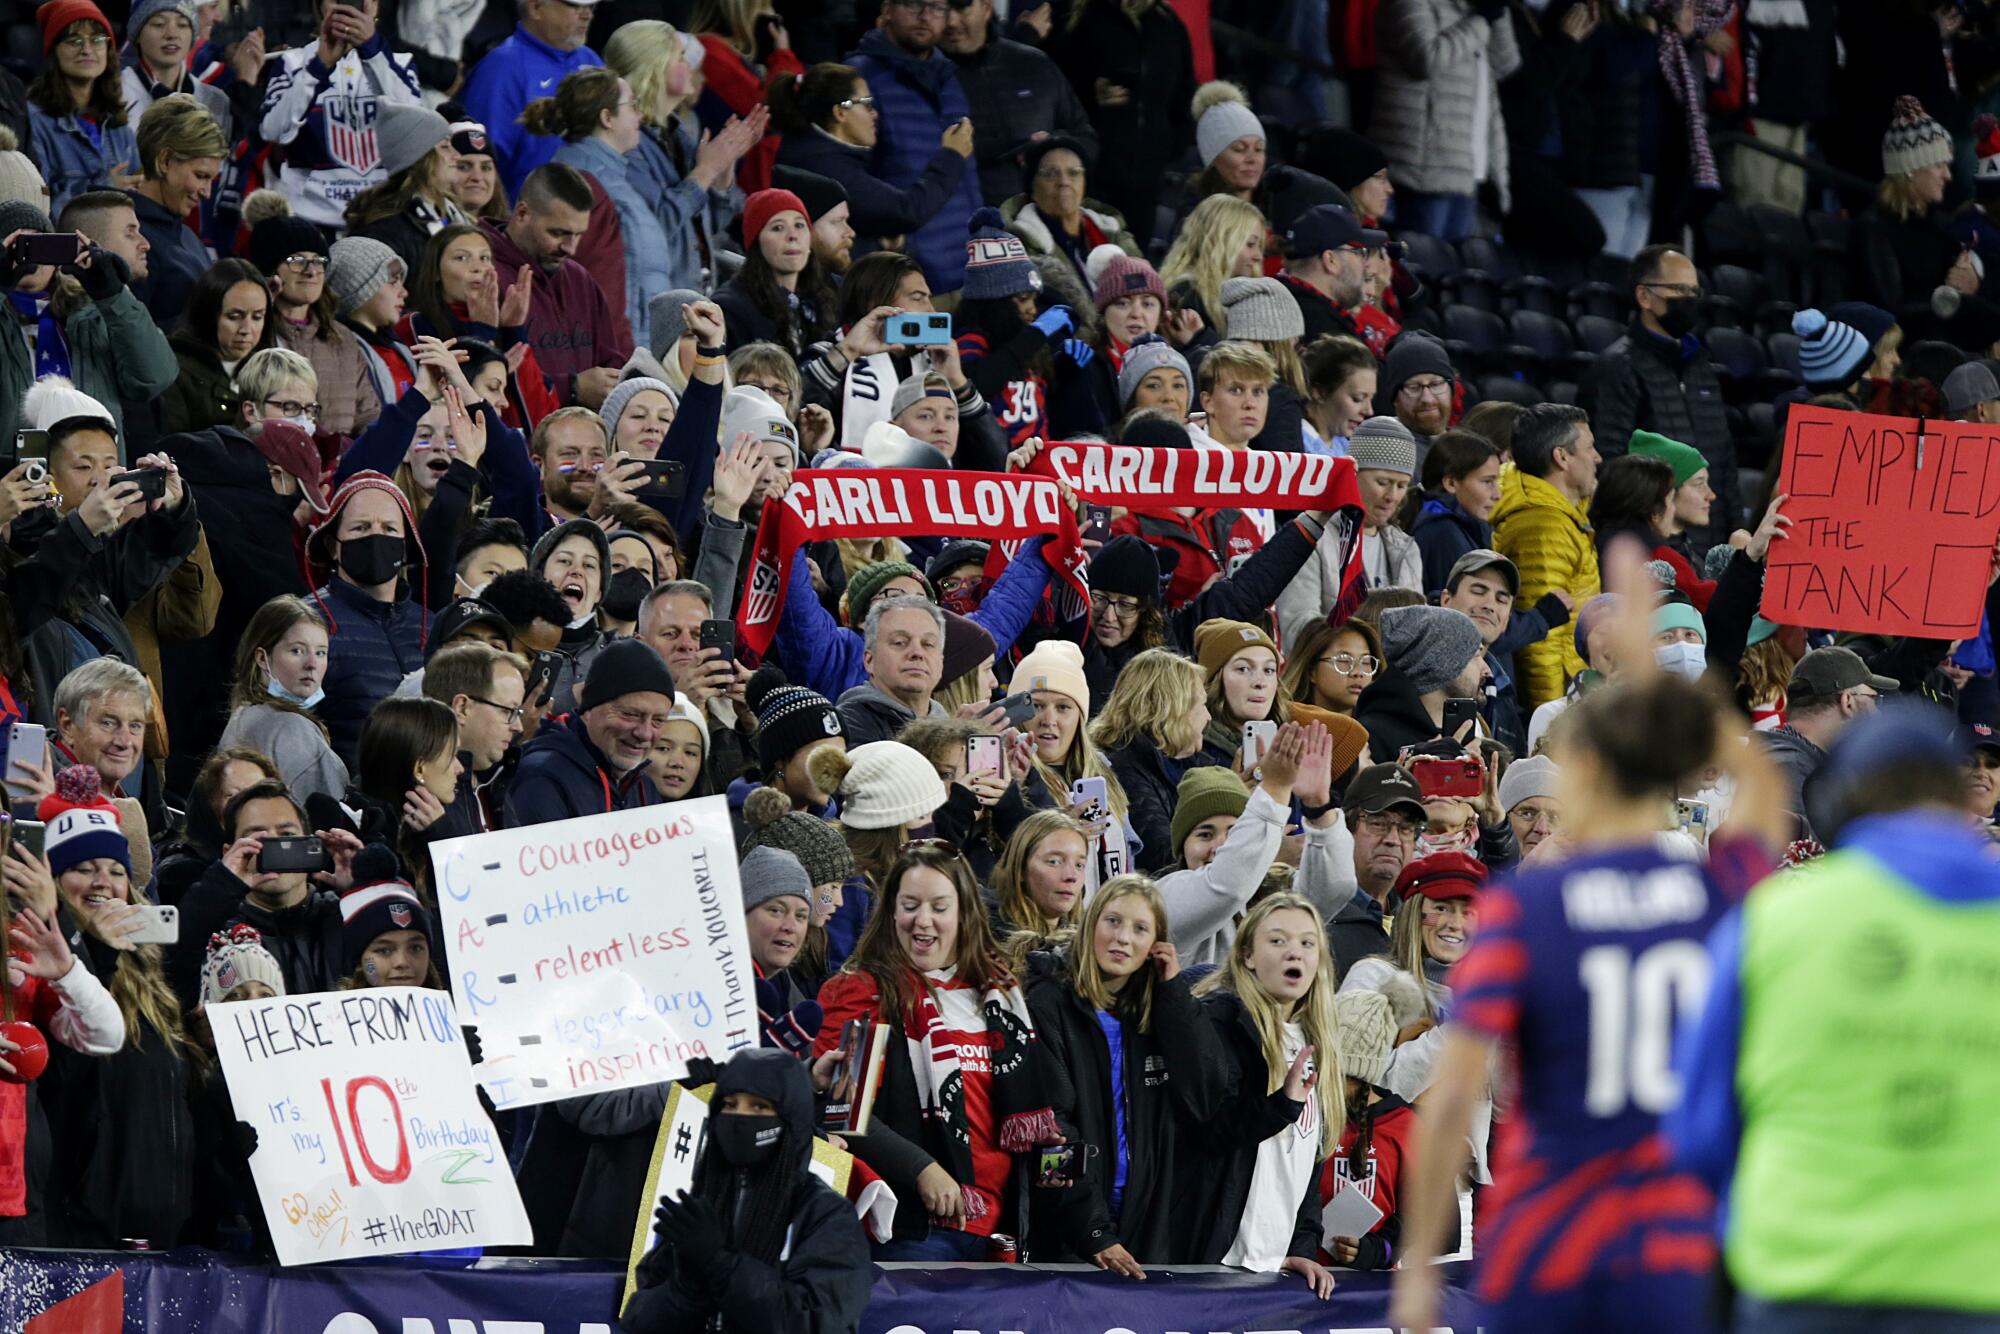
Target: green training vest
<point>1869,1079</point>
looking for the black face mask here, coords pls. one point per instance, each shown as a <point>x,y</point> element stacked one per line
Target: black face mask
<point>1679,316</point>
<point>369,561</point>
<point>746,1141</point>
<point>622,596</point>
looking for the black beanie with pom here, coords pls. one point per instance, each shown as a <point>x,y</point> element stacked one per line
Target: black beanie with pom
<point>789,717</point>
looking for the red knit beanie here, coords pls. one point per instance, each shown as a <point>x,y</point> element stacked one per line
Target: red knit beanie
<point>761,207</point>
<point>56,16</point>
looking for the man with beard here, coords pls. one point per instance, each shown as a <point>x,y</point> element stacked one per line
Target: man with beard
<point>826,208</point>
<point>1658,378</point>
<point>571,326</point>
<point>1418,385</point>
<point>1326,251</point>
<point>570,447</point>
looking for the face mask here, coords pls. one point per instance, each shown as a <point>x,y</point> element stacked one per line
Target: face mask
<point>622,596</point>
<point>278,691</point>
<point>1688,660</point>
<point>369,561</point>
<point>303,422</point>
<point>1429,843</point>
<point>471,590</point>
<point>746,1141</point>
<point>1679,316</point>
<point>960,600</point>
<point>588,618</point>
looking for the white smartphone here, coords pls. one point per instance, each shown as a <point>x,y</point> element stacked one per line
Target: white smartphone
<point>25,741</point>
<point>163,925</point>
<point>1257,739</point>
<point>1092,793</point>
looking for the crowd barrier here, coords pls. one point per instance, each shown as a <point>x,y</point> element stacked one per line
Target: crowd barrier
<point>198,1292</point>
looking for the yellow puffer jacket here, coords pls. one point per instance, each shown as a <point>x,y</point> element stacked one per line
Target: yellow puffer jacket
<point>1549,538</point>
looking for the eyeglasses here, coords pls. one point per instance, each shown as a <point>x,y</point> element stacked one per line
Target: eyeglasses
<point>781,393</point>
<point>869,102</point>
<point>1388,826</point>
<point>513,713</point>
<point>1124,606</point>
<point>86,40</point>
<point>1348,664</point>
<point>1432,388</point>
<point>307,263</point>
<point>1675,289</point>
<point>653,720</point>
<point>968,583</point>
<point>291,407</point>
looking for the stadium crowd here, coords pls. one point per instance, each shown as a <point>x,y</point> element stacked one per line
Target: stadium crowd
<point>399,393</point>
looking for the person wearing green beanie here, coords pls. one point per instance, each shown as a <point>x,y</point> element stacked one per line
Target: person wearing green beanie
<point>1689,504</point>
<point>883,578</point>
<point>1210,796</point>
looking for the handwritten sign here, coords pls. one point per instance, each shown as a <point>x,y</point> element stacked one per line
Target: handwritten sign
<point>1892,532</point>
<point>598,953</point>
<point>683,1132</point>
<point>370,1138</point>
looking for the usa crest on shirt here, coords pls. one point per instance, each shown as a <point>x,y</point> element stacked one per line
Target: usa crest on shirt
<point>350,130</point>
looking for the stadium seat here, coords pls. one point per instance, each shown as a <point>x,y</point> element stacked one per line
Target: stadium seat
<point>1784,350</point>
<point>1761,439</point>
<point>1434,260</point>
<point>1509,390</point>
<point>1786,246</point>
<point>1739,360</point>
<point>1826,263</point>
<point>1563,391</point>
<point>1733,297</point>
<point>1594,333</point>
<point>1728,235</point>
<point>1476,338</point>
<point>1487,255</point>
<point>1547,341</point>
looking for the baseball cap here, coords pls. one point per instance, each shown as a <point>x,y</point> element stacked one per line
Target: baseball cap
<point>1826,672</point>
<point>1968,386</point>
<point>1329,227</point>
<point>1384,787</point>
<point>1484,558</point>
<point>463,615</point>
<point>1977,736</point>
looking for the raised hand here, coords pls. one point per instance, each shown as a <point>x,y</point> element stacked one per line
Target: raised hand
<point>514,306</point>
<point>737,472</point>
<point>466,429</point>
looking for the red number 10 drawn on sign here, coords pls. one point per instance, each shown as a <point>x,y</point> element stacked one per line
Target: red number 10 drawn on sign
<point>401,1171</point>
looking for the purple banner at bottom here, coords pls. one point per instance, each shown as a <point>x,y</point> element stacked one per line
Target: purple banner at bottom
<point>198,1292</point>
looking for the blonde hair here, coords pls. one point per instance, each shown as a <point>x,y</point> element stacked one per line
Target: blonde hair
<point>1009,879</point>
<point>1899,199</point>
<point>1314,1012</point>
<point>960,691</point>
<point>1285,361</point>
<point>179,127</point>
<point>1205,251</point>
<point>1406,944</point>
<point>641,52</point>
<point>1238,360</point>
<point>1082,761</point>
<point>1154,697</point>
<point>1088,978</point>
<point>263,373</point>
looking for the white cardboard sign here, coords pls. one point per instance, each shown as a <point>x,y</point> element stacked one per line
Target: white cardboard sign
<point>599,953</point>
<point>370,1136</point>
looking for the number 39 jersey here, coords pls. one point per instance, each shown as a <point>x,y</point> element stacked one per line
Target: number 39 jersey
<point>1583,971</point>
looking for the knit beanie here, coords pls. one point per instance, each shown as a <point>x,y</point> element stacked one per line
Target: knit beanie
<point>1429,646</point>
<point>81,825</point>
<point>1222,115</point>
<point>381,900</point>
<point>1349,737</point>
<point>358,268</point>
<point>1367,1034</point>
<point>1872,321</point>
<point>1830,353</point>
<point>1055,664</point>
<point>275,240</point>
<point>545,545</point>
<point>1146,355</point>
<point>1341,156</point>
<point>55,17</point>
<point>18,215</point>
<point>21,180</point>
<point>915,389</point>
<point>625,667</point>
<point>1527,779</point>
<point>760,208</point>
<point>685,710</point>
<point>881,785</point>
<point>145,11</point>
<point>1114,274</point>
<point>1383,443</point>
<point>1261,310</point>
<point>820,194</point>
<point>469,139</point>
<point>887,445</point>
<point>1685,460</point>
<point>967,643</point>
<point>237,956</point>
<point>405,131</point>
<point>789,717</point>
<point>664,324</point>
<point>818,845</point>
<point>1126,565</point>
<point>53,399</point>
<point>1414,354</point>
<point>955,555</point>
<point>750,411</point>
<point>768,873</point>
<point>1968,386</point>
<point>865,584</point>
<point>1679,616</point>
<point>1219,640</point>
<point>996,263</point>
<point>1588,617</point>
<point>1156,432</point>
<point>623,393</point>
<point>1913,141</point>
<point>1205,791</point>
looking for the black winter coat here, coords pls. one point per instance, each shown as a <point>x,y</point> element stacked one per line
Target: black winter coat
<point>1015,93</point>
<point>874,206</point>
<point>1644,382</point>
<point>1151,792</point>
<point>1151,57</point>
<point>1898,263</point>
<point>1218,1171</point>
<point>562,776</point>
<point>1394,714</point>
<point>1174,1080</point>
<point>305,940</point>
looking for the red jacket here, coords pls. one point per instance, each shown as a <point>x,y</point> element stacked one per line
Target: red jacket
<point>1206,542</point>
<point>733,79</point>
<point>36,1000</point>
<point>1392,1125</point>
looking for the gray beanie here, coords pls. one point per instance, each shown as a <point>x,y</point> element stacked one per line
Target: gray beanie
<point>18,215</point>
<point>406,131</point>
<point>357,268</point>
<point>749,410</point>
<point>1968,386</point>
<point>1524,779</point>
<point>768,873</point>
<point>1414,354</point>
<point>1429,646</point>
<point>1222,125</point>
<point>623,393</point>
<point>1148,353</point>
<point>1261,309</point>
<point>664,325</point>
<point>1385,443</point>
<point>919,386</point>
<point>145,11</point>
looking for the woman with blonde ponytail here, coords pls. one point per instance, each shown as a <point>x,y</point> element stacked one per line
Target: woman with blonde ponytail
<point>1272,1003</point>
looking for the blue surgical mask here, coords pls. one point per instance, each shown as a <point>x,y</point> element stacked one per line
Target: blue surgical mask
<point>1683,659</point>
<point>278,691</point>
<point>303,422</point>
